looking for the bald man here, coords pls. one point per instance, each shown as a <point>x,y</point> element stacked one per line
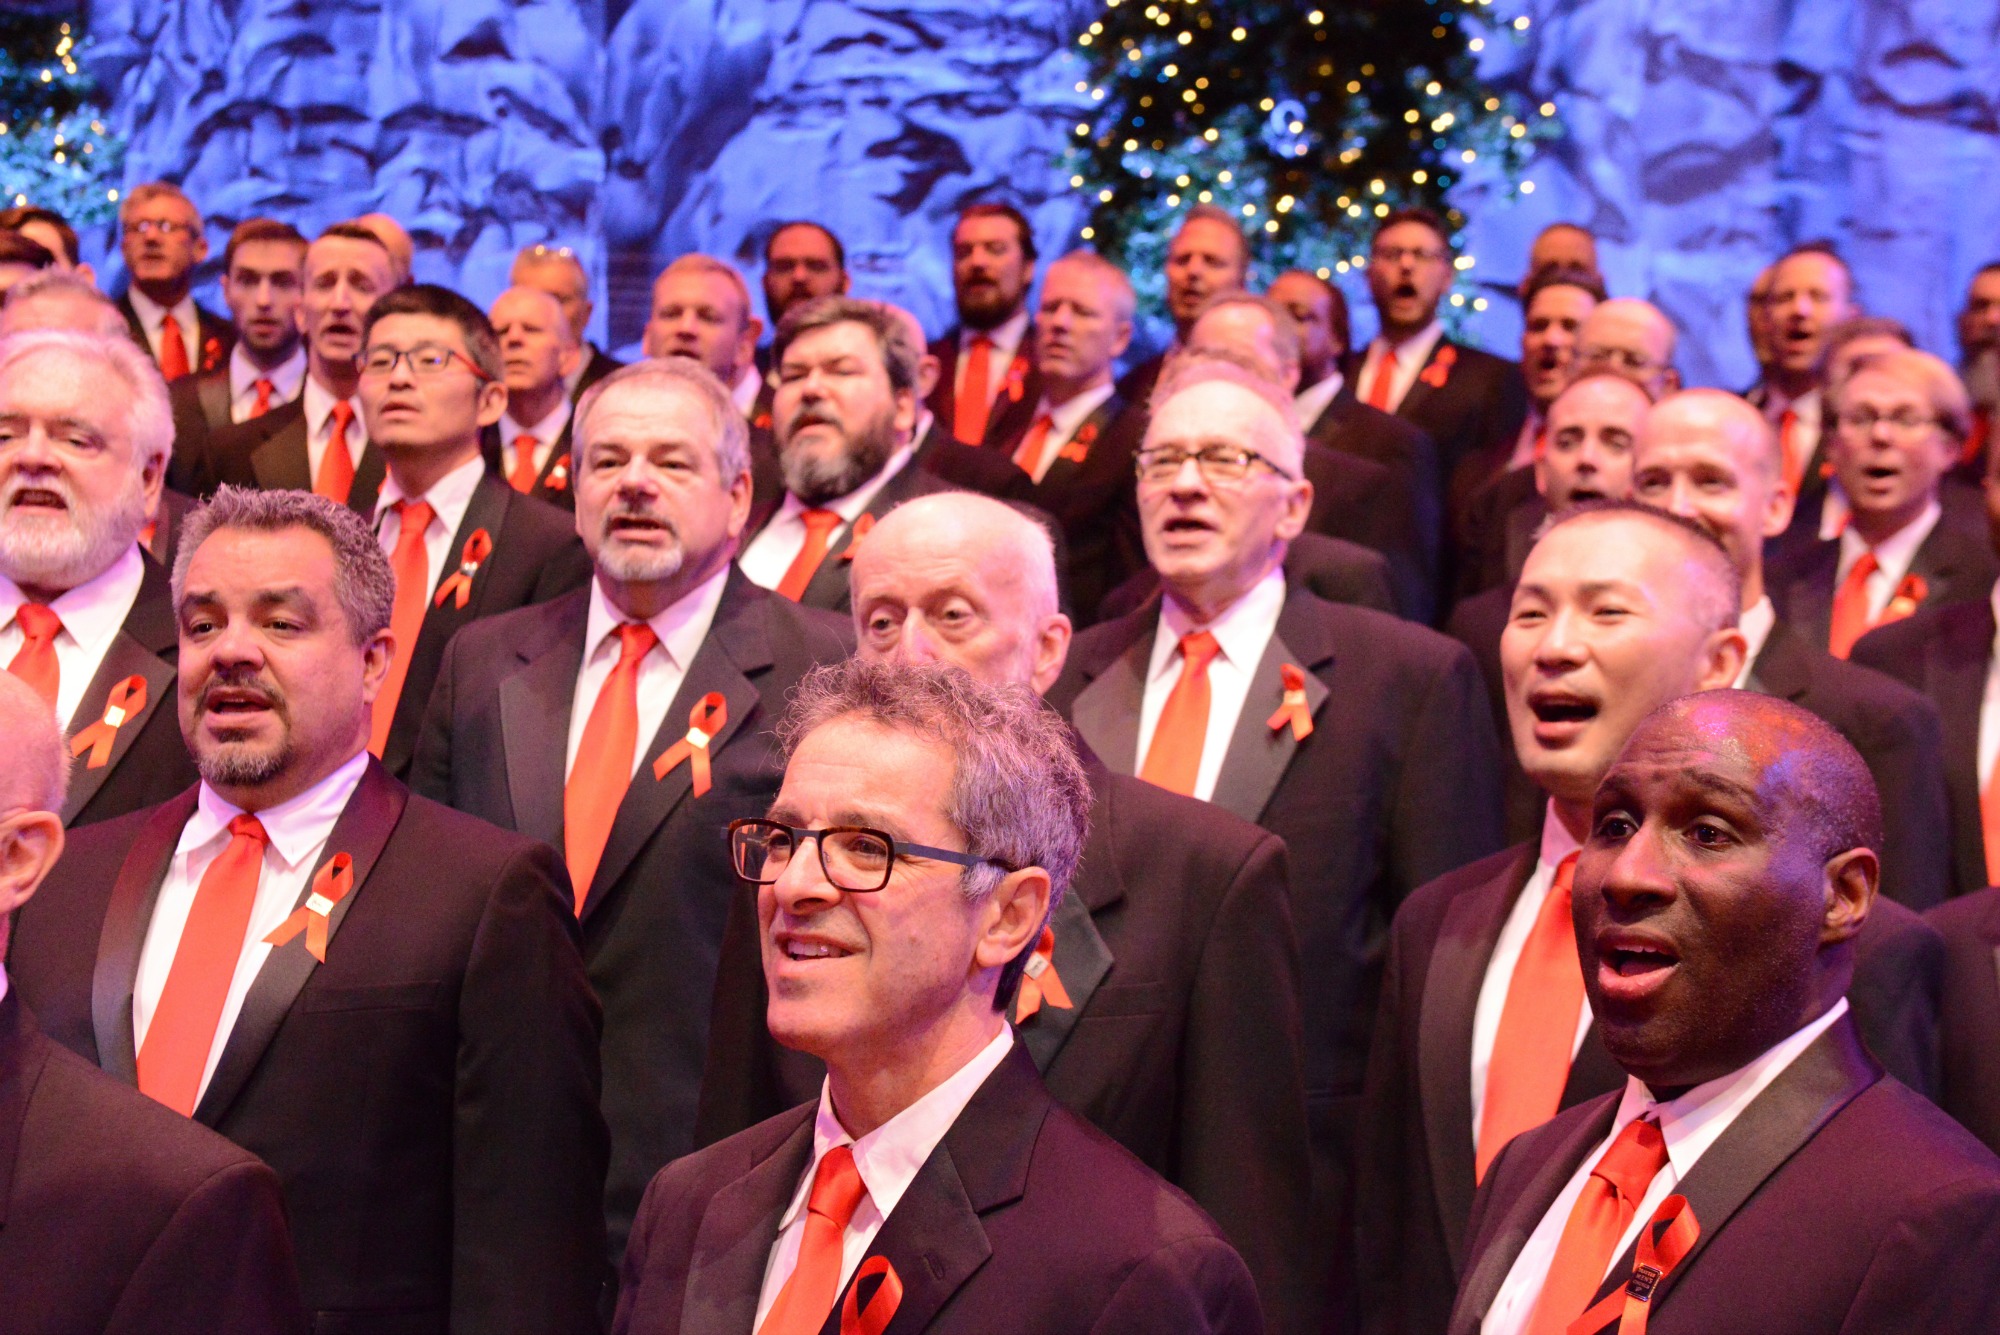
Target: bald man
<point>1719,908</point>
<point>1632,338</point>
<point>122,1217</point>
<point>539,352</point>
<point>1176,900</point>
<point>557,271</point>
<point>1710,457</point>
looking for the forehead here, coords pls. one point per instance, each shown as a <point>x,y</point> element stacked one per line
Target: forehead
<point>243,562</point>
<point>936,547</point>
<point>1624,324</point>
<point>406,331</point>
<point>529,304</point>
<point>1710,744</point>
<point>638,414</point>
<point>269,254</point>
<point>1602,398</point>
<point>1075,279</point>
<point>1559,301</point>
<point>1240,319</point>
<point>1624,549</point>
<point>1564,243</point>
<point>801,240</point>
<point>551,273</point>
<point>349,254</point>
<point>984,229</point>
<point>851,762</point>
<point>1204,236</point>
<point>1412,233</point>
<point>1809,271</point>
<point>1881,383</point>
<point>844,338</point>
<point>695,285</point>
<point>1210,410</point>
<point>1986,284</point>
<point>58,382</point>
<point>1704,431</point>
<point>161,206</point>
<point>1297,290</point>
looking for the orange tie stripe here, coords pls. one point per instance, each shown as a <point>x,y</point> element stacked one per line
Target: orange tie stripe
<point>1385,377</point>
<point>1029,456</point>
<point>820,525</point>
<point>972,406</point>
<point>1989,816</point>
<point>1850,607</point>
<point>1599,1219</point>
<point>522,479</point>
<point>173,348</point>
<point>1173,760</point>
<point>263,403</point>
<point>806,1301</point>
<point>1537,1034</point>
<point>335,478</point>
<point>602,770</point>
<point>412,565</point>
<point>35,661</point>
<point>1790,462</point>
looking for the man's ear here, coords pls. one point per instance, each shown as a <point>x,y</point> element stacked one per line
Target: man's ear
<point>1722,660</point>
<point>30,843</point>
<point>1851,882</point>
<point>1011,917</point>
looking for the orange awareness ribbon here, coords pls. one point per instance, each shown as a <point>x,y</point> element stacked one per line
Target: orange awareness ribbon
<point>707,718</point>
<point>1017,376</point>
<point>1439,370</point>
<point>127,698</point>
<point>1039,982</point>
<point>558,477</point>
<point>1909,595</point>
<point>874,1318</point>
<point>1294,709</point>
<point>330,886</point>
<point>862,528</point>
<point>477,548</point>
<point>1077,449</point>
<point>1664,1243</point>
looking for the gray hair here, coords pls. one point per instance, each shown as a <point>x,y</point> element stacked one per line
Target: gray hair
<point>1124,301</point>
<point>362,580</point>
<point>695,262</point>
<point>55,283</point>
<point>1018,792</point>
<point>149,418</point>
<point>900,357</point>
<point>1185,370</point>
<point>35,748</point>
<point>732,433</point>
<point>151,190</point>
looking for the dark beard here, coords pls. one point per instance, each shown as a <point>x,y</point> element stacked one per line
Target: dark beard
<point>816,480</point>
<point>987,313</point>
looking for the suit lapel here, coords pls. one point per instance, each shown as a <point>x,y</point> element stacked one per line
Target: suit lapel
<point>733,1244</point>
<point>127,917</point>
<point>1065,474</point>
<point>362,831</point>
<point>1258,753</point>
<point>1081,961</point>
<point>546,487</point>
<point>828,586</point>
<point>1420,388</point>
<point>1106,712</point>
<point>535,703</point>
<point>125,658</point>
<point>281,462</point>
<point>23,1053</point>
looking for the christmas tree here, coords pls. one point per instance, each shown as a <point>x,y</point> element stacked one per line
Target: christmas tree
<point>54,150</point>
<point>1308,123</point>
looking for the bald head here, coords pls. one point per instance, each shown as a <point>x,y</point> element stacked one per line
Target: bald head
<point>37,779</point>
<point>1632,338</point>
<point>1717,415</point>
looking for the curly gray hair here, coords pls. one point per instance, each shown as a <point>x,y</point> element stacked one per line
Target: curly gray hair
<point>362,581</point>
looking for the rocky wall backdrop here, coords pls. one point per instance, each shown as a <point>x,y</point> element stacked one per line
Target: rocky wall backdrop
<point>1703,135</point>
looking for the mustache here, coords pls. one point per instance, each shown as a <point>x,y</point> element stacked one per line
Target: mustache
<point>54,483</point>
<point>245,682</point>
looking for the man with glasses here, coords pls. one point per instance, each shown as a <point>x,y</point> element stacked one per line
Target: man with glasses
<point>1633,338</point>
<point>1360,739</point>
<point>802,261</point>
<point>160,235</point>
<point>934,1178</point>
<point>462,543</point>
<point>569,722</point>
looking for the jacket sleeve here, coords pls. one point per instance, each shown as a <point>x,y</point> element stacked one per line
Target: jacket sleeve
<point>1906,757</point>
<point>1195,1286</point>
<point>430,767</point>
<point>222,1266</point>
<point>1934,1270</point>
<point>1447,805</point>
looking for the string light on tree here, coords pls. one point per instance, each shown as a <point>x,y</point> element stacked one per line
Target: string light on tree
<point>54,149</point>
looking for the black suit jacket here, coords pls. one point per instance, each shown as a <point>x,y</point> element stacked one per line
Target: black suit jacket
<point>1807,1225</point>
<point>597,365</point>
<point>1945,653</point>
<point>555,481</point>
<point>200,404</point>
<point>1024,1218</point>
<point>1014,399</point>
<point>270,452</point>
<point>1970,1013</point>
<point>1175,946</point>
<point>1095,502</point>
<point>536,556</point>
<point>1338,571</point>
<point>148,763</point>
<point>827,590</point>
<point>1352,427</point>
<point>1500,522</point>
<point>428,1095</point>
<point>493,745</point>
<point>119,1217</point>
<point>972,467</point>
<point>216,339</point>
<point>1364,502</point>
<point>1417,1154</point>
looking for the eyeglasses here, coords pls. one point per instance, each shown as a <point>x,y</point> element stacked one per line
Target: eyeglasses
<point>855,858</point>
<point>161,226</point>
<point>542,250</point>
<point>426,360</point>
<point>1220,464</point>
<point>1414,254</point>
<point>1637,362</point>
<point>1904,421</point>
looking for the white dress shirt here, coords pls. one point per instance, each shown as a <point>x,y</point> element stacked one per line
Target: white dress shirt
<point>297,830</point>
<point>744,392</point>
<point>1557,844</point>
<point>1892,557</point>
<point>887,1159</point>
<point>286,378</point>
<point>1006,336</point>
<point>546,432</point>
<point>681,629</point>
<point>319,426</point>
<point>1411,356</point>
<point>1065,420</point>
<point>1243,631</point>
<point>1689,1124</point>
<point>1989,707</point>
<point>448,499</point>
<point>152,316</point>
<point>1309,403</point>
<point>91,614</point>
<point>770,553</point>
<point>1757,623</point>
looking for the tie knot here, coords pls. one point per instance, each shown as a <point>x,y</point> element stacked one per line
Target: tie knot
<point>524,441</point>
<point>263,386</point>
<point>38,622</point>
<point>247,826</point>
<point>1633,1161</point>
<point>1199,648</point>
<point>169,323</point>
<point>635,640</point>
<point>1566,875</point>
<point>343,413</point>
<point>982,341</point>
<point>837,1187</point>
<point>1864,567</point>
<point>819,523</point>
<point>415,516</point>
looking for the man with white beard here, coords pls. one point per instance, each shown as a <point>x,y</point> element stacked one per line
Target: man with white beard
<point>85,614</point>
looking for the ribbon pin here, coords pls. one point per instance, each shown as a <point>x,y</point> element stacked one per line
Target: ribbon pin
<point>477,548</point>
<point>1294,710</point>
<point>874,1318</point>
<point>330,885</point>
<point>1077,448</point>
<point>1439,370</point>
<point>558,476</point>
<point>708,717</point>
<point>1909,595</point>
<point>1039,982</point>
<point>1664,1243</point>
<point>862,528</point>
<point>127,698</point>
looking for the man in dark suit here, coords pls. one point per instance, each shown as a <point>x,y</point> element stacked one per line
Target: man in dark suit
<point>119,1216</point>
<point>987,384</point>
<point>318,441</point>
<point>1912,539</point>
<point>1758,1170</point>
<point>1358,738</point>
<point>85,617</point>
<point>161,236</point>
<point>1461,1060</point>
<point>538,354</point>
<point>556,271</point>
<point>846,402</point>
<point>1176,1028</point>
<point>988,471</point>
<point>802,261</point>
<point>1969,1016</point>
<point>1807,293</point>
<point>1208,255</point>
<point>378,996</point>
<point>462,543</point>
<point>1712,458</point>
<point>263,268</point>
<point>934,1179</point>
<point>522,731</point>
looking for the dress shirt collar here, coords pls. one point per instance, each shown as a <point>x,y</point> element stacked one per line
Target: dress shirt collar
<point>319,401</point>
<point>1557,842</point>
<point>1416,349</point>
<point>284,377</point>
<point>1066,419</point>
<point>448,499</point>
<point>744,392</point>
<point>94,610</point>
<point>1242,631</point>
<point>851,506</point>
<point>1895,552</point>
<point>1006,336</point>
<point>1756,623</point>
<point>920,431</point>
<point>1995,600</point>
<point>151,312</point>
<point>681,627</point>
<point>295,827</point>
<point>544,431</point>
<point>890,1156</point>
<point>1310,402</point>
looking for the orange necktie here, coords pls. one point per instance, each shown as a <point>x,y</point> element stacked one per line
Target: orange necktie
<point>1989,814</point>
<point>603,768</point>
<point>173,348</point>
<point>1537,1034</point>
<point>1600,1217</point>
<point>1030,454</point>
<point>820,525</point>
<point>1850,607</point>
<point>336,466</point>
<point>807,1298</point>
<point>263,403</point>
<point>412,566</point>
<point>1174,759</point>
<point>175,1052</point>
<point>1789,462</point>
<point>35,661</point>
<point>970,408</point>
<point>1385,377</point>
<point>522,479</point>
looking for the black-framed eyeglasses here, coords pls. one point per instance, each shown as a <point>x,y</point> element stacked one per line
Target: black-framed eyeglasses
<point>1217,463</point>
<point>855,858</point>
<point>426,360</point>
<point>1904,421</point>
